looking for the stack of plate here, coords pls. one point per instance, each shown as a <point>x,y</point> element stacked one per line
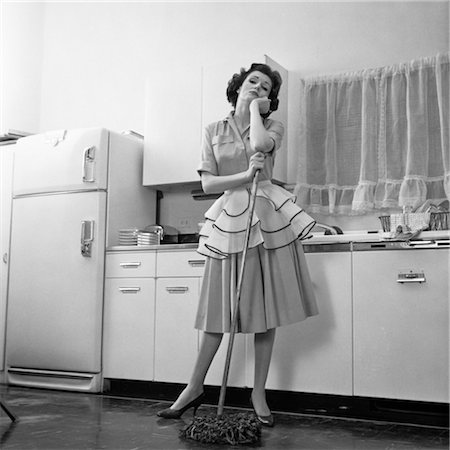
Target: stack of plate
<point>128,236</point>
<point>148,238</point>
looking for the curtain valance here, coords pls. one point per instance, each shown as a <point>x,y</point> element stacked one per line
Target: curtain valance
<point>373,139</point>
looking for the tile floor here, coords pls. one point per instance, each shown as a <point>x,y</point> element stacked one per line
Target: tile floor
<point>66,420</point>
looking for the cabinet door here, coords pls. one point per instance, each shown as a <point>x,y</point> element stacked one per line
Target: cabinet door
<point>401,329</point>
<point>315,355</point>
<point>237,376</point>
<point>176,340</point>
<point>128,338</point>
<point>172,126</point>
<point>215,105</point>
<point>178,106</point>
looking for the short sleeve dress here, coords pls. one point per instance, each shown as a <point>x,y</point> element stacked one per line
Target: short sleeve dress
<point>277,288</point>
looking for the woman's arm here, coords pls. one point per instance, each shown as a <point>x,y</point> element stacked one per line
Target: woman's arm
<point>260,139</point>
<point>215,184</point>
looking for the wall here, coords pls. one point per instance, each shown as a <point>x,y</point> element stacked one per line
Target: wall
<point>96,56</point>
<point>21,49</point>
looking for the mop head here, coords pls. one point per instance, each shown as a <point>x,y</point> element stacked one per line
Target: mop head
<point>232,429</point>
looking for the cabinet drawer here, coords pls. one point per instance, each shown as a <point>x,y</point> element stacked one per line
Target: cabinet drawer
<point>132,264</point>
<point>180,264</point>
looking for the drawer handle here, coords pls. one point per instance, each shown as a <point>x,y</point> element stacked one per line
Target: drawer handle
<point>196,262</point>
<point>130,265</point>
<point>177,289</point>
<point>129,290</point>
<point>411,277</point>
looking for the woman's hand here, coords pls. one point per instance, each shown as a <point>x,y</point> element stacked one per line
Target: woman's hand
<point>214,184</point>
<point>260,105</point>
<point>256,163</point>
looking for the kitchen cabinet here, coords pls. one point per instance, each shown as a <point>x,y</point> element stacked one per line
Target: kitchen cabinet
<point>176,341</point>
<point>177,288</point>
<point>133,264</point>
<point>315,355</point>
<point>129,315</point>
<point>6,172</point>
<point>172,127</point>
<point>373,337</point>
<point>178,108</point>
<point>401,319</point>
<point>237,376</point>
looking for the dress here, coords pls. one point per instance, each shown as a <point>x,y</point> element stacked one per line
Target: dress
<point>277,288</point>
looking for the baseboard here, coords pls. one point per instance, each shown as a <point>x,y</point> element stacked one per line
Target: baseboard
<point>367,408</point>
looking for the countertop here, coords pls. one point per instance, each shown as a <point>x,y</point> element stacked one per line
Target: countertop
<point>140,248</point>
<point>316,238</point>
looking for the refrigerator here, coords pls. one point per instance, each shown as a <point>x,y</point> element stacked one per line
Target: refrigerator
<point>73,190</point>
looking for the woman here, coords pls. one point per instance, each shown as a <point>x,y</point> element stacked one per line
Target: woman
<point>277,289</point>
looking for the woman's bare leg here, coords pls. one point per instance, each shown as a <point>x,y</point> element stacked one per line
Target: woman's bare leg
<point>208,348</point>
<point>263,355</point>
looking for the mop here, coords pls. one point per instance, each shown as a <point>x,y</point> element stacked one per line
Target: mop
<point>237,428</point>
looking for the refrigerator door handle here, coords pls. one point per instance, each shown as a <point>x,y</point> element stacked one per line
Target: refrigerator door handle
<point>89,165</point>
<point>87,237</point>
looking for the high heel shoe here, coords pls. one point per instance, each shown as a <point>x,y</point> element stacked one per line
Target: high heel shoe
<point>169,413</point>
<point>266,421</point>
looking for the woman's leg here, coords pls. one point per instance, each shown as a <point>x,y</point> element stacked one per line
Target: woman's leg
<point>208,348</point>
<point>263,354</point>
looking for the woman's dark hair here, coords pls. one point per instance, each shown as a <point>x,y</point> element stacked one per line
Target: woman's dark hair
<point>238,78</point>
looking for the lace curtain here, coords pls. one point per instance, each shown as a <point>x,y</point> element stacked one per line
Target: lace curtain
<point>375,139</point>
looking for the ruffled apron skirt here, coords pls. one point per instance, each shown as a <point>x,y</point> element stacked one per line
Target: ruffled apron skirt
<point>277,288</point>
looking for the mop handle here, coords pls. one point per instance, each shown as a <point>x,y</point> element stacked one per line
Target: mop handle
<point>238,297</point>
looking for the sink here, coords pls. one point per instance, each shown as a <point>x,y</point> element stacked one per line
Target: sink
<point>347,236</point>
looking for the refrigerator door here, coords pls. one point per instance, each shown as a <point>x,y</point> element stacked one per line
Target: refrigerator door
<point>56,282</point>
<point>64,160</point>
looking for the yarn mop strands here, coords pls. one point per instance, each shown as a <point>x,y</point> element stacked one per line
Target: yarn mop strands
<point>238,428</point>
<point>229,429</point>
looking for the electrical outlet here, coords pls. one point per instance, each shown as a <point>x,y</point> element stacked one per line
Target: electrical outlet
<point>185,224</point>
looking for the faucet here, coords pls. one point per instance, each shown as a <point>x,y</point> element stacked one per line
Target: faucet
<point>329,229</point>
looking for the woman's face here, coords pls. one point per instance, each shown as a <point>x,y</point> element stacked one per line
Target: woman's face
<point>256,85</point>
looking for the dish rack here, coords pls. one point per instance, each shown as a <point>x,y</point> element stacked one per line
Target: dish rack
<point>415,221</point>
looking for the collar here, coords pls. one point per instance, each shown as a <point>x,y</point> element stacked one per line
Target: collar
<point>230,118</point>
<point>232,122</point>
